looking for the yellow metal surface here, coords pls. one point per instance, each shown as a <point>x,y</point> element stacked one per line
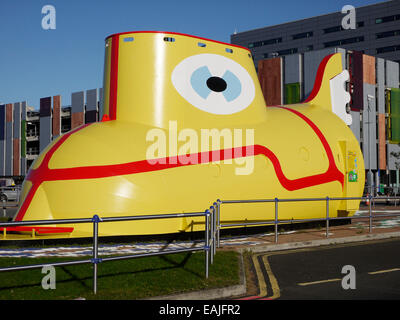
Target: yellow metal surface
<point>150,83</point>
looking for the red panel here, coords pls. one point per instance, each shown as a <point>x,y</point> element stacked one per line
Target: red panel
<point>9,112</point>
<point>39,230</point>
<point>56,116</point>
<point>77,119</point>
<point>16,158</point>
<point>270,76</point>
<point>357,96</point>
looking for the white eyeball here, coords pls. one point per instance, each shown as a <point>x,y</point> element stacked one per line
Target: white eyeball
<point>214,83</point>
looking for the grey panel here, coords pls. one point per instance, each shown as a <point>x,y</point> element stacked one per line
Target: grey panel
<point>17,120</point>
<point>45,132</point>
<point>23,110</point>
<point>101,106</point>
<point>91,100</point>
<point>78,102</point>
<point>355,125</point>
<point>369,128</point>
<point>9,149</point>
<point>380,76</point>
<point>23,117</point>
<point>2,157</point>
<point>392,74</point>
<point>393,156</point>
<point>23,166</point>
<point>2,138</point>
<point>292,65</point>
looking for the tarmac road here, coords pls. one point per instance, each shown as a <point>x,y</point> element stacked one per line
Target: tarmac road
<point>316,273</point>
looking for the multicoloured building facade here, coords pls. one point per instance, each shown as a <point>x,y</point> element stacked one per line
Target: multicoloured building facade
<point>25,131</point>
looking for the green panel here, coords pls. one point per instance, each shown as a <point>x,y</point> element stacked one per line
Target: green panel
<point>292,93</point>
<point>394,104</point>
<point>23,138</point>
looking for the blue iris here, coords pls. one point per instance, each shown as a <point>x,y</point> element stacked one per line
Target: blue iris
<point>199,78</point>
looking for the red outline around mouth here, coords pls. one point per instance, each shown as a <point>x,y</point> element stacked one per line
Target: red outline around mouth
<point>44,173</point>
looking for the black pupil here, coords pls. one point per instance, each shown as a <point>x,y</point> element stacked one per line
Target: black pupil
<point>216,84</point>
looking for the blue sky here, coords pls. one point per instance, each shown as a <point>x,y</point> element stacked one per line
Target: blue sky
<point>36,63</point>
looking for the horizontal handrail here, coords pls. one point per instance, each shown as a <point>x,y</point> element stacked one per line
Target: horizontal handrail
<point>276,221</point>
<point>208,247</point>
<point>105,219</point>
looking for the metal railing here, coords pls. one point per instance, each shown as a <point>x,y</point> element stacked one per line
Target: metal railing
<point>369,200</point>
<point>208,247</point>
<point>213,226</point>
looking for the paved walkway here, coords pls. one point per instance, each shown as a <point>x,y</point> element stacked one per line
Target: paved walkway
<point>252,242</point>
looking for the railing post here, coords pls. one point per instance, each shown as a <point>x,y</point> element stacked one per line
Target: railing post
<point>212,211</point>
<point>215,227</point>
<point>207,238</point>
<point>327,217</point>
<point>276,220</point>
<point>95,259</point>
<point>218,221</point>
<point>370,214</point>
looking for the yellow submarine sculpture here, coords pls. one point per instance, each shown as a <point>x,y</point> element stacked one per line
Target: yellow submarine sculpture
<point>169,101</point>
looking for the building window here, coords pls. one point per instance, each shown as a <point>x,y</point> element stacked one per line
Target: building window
<point>387,34</point>
<point>388,49</point>
<point>264,42</point>
<point>333,29</point>
<point>287,51</point>
<point>343,42</point>
<point>303,35</point>
<point>387,19</point>
<point>340,28</point>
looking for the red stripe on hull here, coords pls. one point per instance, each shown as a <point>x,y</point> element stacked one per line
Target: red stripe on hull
<point>318,78</point>
<point>43,173</point>
<point>114,78</point>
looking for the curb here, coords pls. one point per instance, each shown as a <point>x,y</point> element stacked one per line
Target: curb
<point>316,243</point>
<point>241,289</point>
<point>212,294</point>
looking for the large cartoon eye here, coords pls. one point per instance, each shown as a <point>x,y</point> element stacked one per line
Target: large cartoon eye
<point>214,83</point>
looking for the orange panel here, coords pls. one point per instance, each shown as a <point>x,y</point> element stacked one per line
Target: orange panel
<point>16,158</point>
<point>270,76</point>
<point>9,112</point>
<point>77,119</point>
<point>369,69</point>
<point>56,115</point>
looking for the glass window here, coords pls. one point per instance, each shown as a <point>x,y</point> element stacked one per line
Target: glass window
<point>302,35</point>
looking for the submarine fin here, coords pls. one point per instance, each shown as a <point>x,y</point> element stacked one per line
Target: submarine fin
<point>329,87</point>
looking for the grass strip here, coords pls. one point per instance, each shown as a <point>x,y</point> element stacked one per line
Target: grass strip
<point>121,280</point>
